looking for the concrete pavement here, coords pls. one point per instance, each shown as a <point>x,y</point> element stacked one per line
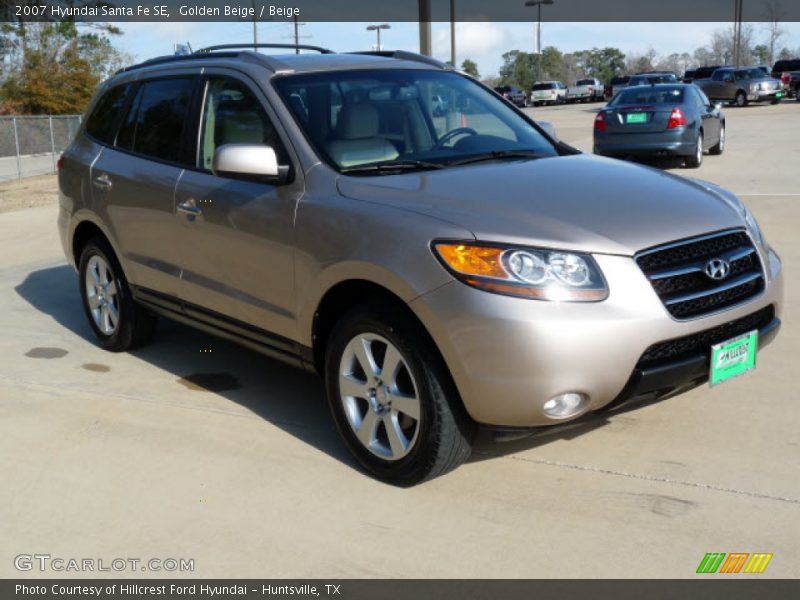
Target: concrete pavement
<point>130,455</point>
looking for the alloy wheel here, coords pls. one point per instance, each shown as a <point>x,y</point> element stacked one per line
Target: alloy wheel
<point>380,396</point>
<point>101,295</point>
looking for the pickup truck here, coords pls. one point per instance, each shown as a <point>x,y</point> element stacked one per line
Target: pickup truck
<point>585,90</point>
<point>740,86</point>
<point>788,71</point>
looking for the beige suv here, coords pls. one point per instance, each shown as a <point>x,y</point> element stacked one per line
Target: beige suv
<point>442,263</point>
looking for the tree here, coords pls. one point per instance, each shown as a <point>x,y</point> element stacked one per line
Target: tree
<point>604,63</point>
<point>761,54</point>
<point>470,67</point>
<point>775,32</point>
<point>54,68</point>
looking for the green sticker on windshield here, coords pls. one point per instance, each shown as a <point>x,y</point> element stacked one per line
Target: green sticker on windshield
<point>734,357</point>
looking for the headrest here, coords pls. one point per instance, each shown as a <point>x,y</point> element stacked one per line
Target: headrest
<point>357,121</point>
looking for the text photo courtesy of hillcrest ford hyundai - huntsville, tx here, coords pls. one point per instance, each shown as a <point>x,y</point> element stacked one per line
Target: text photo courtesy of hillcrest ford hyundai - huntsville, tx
<point>406,295</point>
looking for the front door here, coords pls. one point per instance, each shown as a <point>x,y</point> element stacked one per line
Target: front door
<point>238,235</point>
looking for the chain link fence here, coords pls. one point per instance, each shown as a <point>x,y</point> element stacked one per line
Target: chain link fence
<point>31,145</point>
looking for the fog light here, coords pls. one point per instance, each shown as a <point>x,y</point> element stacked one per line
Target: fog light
<point>565,405</point>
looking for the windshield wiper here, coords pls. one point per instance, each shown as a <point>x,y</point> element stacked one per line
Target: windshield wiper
<point>497,155</point>
<point>394,166</point>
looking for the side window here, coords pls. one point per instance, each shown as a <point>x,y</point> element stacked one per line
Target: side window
<point>233,115</point>
<point>154,124</point>
<point>105,117</point>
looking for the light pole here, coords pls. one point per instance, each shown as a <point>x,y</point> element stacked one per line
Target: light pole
<point>453,33</point>
<point>538,5</point>
<point>377,29</point>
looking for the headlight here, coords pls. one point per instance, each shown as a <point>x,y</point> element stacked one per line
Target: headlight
<point>524,272</point>
<point>752,225</point>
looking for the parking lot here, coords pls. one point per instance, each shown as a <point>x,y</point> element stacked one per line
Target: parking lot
<point>195,448</point>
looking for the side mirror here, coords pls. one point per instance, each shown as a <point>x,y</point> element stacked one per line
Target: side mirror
<point>549,129</point>
<point>249,161</point>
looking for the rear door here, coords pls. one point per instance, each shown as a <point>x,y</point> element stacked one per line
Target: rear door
<point>237,235</point>
<point>708,114</point>
<point>133,182</point>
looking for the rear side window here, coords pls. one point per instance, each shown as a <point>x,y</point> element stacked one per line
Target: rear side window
<point>154,125</point>
<point>103,122</point>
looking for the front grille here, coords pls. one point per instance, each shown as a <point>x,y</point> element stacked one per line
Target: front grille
<point>700,343</point>
<point>677,273</point>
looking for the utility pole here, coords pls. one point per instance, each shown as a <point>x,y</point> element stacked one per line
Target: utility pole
<point>453,33</point>
<point>255,32</point>
<point>538,5</point>
<point>425,45</point>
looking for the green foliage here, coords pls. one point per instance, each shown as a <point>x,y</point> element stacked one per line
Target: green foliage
<point>471,67</point>
<point>54,68</point>
<point>523,69</point>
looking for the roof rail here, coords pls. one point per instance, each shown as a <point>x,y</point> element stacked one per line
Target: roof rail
<point>254,46</point>
<point>405,55</point>
<point>167,59</point>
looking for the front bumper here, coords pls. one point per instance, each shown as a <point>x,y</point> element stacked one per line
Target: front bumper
<point>509,356</point>
<point>764,95</point>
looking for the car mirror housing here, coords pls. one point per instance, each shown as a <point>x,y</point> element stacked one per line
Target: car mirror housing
<point>548,128</point>
<point>249,161</point>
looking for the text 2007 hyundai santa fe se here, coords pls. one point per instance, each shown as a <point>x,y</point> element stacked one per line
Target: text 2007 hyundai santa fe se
<point>441,268</point>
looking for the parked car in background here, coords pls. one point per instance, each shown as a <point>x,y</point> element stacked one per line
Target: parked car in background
<point>615,85</point>
<point>788,72</point>
<point>740,86</point>
<point>652,78</point>
<point>513,94</point>
<point>585,90</point>
<point>706,71</point>
<point>688,76</point>
<point>548,92</point>
<point>661,119</point>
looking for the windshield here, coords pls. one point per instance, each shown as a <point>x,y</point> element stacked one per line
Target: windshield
<point>374,117</point>
<point>648,95</point>
<point>585,82</point>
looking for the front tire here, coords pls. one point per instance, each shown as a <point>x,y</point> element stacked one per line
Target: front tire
<point>392,398</point>
<point>118,323</point>
<point>741,99</point>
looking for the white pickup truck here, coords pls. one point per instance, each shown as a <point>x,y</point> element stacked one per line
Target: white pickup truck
<point>585,90</point>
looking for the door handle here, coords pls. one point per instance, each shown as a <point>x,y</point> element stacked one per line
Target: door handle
<point>189,207</point>
<point>103,182</point>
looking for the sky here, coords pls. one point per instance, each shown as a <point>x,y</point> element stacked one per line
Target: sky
<point>480,41</point>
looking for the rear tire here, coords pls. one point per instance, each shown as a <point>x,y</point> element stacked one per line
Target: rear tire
<point>416,426</point>
<point>720,146</point>
<point>118,323</point>
<point>694,161</point>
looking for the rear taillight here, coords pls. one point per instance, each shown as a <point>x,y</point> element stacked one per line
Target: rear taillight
<point>676,119</point>
<point>60,162</point>
<point>600,123</point>
<point>786,78</point>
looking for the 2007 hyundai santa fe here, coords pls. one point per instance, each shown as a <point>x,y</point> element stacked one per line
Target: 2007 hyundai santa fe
<point>443,263</point>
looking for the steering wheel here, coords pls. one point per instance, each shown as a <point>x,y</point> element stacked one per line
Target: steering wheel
<point>453,133</point>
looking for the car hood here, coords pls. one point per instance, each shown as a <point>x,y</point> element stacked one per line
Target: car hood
<point>581,202</point>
